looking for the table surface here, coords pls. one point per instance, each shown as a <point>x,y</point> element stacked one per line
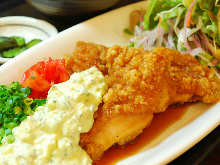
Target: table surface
<point>207,152</point>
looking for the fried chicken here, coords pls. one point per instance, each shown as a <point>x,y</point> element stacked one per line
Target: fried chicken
<point>140,84</point>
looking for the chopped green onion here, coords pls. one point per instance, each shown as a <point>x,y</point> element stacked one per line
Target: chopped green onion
<point>11,125</point>
<point>131,44</point>
<point>10,139</point>
<point>8,132</point>
<point>207,56</point>
<point>218,66</point>
<point>128,31</point>
<point>15,106</point>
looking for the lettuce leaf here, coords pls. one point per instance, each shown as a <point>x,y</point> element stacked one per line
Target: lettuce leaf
<point>176,12</point>
<point>187,3</point>
<point>208,12</point>
<point>206,5</point>
<point>154,7</point>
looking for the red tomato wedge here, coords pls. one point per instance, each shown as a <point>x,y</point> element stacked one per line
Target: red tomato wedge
<point>41,76</point>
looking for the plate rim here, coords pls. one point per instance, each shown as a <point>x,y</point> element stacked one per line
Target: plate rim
<point>167,158</point>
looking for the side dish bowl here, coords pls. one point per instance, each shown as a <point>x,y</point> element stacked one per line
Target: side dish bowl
<point>27,27</point>
<point>70,7</point>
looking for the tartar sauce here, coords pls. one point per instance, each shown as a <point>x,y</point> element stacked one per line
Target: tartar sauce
<point>51,135</point>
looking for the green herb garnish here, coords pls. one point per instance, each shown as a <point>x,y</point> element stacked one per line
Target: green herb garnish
<point>15,106</point>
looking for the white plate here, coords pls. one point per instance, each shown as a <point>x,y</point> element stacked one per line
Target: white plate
<point>27,27</point>
<point>107,29</point>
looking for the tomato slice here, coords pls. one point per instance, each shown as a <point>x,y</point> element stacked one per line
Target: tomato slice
<point>41,76</point>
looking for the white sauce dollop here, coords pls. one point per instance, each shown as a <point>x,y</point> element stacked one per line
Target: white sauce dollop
<point>51,135</point>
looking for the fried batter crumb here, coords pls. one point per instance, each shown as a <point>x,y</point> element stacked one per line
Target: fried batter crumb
<point>140,83</point>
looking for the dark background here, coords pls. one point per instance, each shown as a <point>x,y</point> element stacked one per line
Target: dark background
<point>207,152</point>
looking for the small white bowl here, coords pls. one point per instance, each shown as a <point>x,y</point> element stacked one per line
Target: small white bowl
<point>71,7</point>
<point>27,27</point>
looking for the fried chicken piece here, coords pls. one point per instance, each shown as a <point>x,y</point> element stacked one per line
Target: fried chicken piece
<point>140,83</point>
<point>85,56</point>
<point>117,128</point>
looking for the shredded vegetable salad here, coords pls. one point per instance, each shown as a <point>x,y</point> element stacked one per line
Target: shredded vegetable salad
<point>190,26</point>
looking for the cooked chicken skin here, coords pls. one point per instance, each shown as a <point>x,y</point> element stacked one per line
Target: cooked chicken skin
<point>118,128</point>
<point>140,83</point>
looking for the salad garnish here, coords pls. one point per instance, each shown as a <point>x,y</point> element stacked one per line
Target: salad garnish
<point>190,26</point>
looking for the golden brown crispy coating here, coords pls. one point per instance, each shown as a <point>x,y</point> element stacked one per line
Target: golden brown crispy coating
<point>140,83</point>
<point>85,56</point>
